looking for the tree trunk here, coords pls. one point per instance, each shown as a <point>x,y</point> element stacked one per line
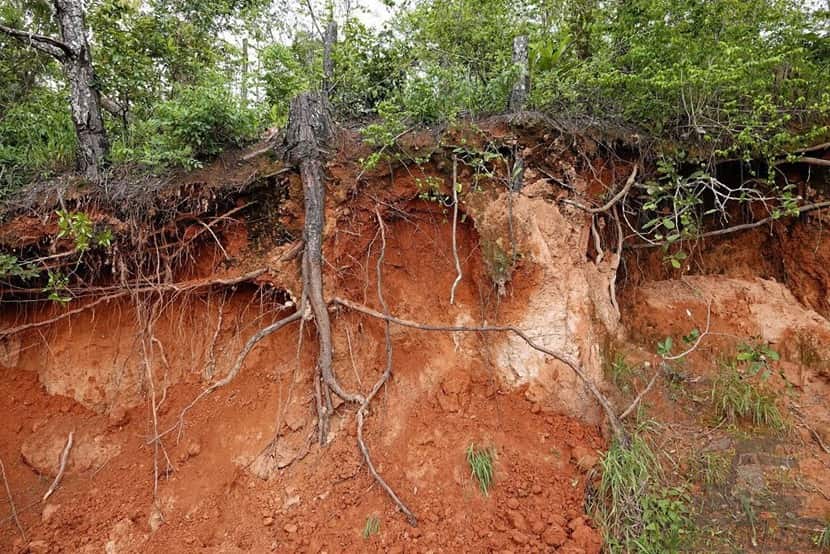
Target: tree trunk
<point>85,99</point>
<point>308,134</point>
<point>518,96</point>
<point>328,64</point>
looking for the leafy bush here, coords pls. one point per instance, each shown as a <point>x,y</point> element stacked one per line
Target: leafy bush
<point>741,78</point>
<point>289,70</point>
<point>196,124</point>
<point>36,137</point>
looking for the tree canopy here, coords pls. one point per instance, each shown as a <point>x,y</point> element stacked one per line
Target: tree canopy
<point>729,78</point>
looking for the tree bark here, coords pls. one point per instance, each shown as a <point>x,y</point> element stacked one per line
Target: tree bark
<point>85,100</point>
<point>328,64</point>
<point>308,133</point>
<point>518,96</point>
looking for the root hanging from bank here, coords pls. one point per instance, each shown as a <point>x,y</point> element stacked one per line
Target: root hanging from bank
<point>614,421</point>
<point>384,378</point>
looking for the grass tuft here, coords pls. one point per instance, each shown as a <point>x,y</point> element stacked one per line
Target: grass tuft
<point>372,526</point>
<point>635,510</point>
<point>481,466</point>
<point>737,398</point>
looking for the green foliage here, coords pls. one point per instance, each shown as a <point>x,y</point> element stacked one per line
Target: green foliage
<point>742,77</point>
<point>196,124</point>
<point>371,527</point>
<point>36,137</point>
<point>77,226</point>
<point>367,68</point>
<point>58,288</point>
<point>480,461</point>
<point>288,70</point>
<point>739,394</point>
<point>11,266</point>
<point>636,511</point>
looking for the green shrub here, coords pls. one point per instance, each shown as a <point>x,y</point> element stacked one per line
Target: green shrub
<point>198,123</point>
<point>36,137</point>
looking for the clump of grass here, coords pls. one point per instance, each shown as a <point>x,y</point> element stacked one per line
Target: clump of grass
<point>822,538</point>
<point>372,526</point>
<point>714,467</point>
<point>636,510</point>
<point>481,466</point>
<point>737,398</point>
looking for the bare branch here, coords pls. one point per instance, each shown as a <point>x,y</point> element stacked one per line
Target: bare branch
<point>48,45</point>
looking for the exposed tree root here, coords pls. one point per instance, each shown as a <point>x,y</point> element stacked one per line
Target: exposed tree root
<point>159,288</point>
<point>613,420</point>
<point>232,373</point>
<point>742,227</point>
<point>12,507</point>
<point>454,225</point>
<point>61,466</point>
<point>613,201</point>
<point>387,373</point>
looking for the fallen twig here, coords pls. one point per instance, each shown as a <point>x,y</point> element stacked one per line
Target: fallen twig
<point>62,467</point>
<point>12,507</point>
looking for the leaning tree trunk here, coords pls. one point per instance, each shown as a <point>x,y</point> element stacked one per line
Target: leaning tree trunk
<point>84,97</point>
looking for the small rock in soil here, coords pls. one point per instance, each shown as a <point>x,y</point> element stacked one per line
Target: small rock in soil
<point>554,535</point>
<point>49,511</point>
<point>585,458</point>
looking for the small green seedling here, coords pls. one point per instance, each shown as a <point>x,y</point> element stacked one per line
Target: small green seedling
<point>372,527</point>
<point>481,466</point>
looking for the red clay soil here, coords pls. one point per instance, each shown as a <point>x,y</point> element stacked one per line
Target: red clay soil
<point>444,397</point>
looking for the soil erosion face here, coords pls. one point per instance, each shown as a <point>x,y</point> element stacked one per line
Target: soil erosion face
<point>225,485</point>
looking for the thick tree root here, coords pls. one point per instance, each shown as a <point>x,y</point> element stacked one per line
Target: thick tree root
<point>613,420</point>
